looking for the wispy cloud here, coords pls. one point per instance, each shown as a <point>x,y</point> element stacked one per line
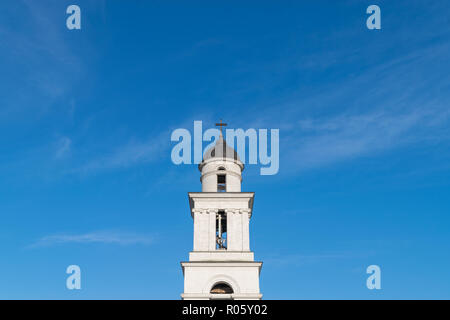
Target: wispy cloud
<point>132,153</point>
<point>299,259</point>
<point>63,147</point>
<point>105,237</point>
<point>322,142</point>
<point>401,102</point>
<point>137,152</point>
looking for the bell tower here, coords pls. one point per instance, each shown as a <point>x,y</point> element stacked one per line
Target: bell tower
<point>221,265</point>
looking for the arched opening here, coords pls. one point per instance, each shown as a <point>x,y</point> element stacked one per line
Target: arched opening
<point>221,288</point>
<point>221,230</point>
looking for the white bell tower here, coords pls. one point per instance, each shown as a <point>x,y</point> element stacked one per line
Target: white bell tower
<point>221,265</point>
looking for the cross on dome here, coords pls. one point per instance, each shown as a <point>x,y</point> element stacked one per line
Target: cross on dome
<point>221,125</point>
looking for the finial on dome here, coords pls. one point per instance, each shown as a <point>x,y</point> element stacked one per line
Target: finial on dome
<point>221,150</point>
<point>221,125</point>
<point>221,167</point>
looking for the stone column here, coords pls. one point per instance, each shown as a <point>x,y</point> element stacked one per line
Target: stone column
<point>211,233</point>
<point>200,228</point>
<point>230,224</point>
<point>245,218</point>
<point>234,230</point>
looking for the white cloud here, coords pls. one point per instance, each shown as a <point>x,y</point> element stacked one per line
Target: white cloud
<point>300,259</point>
<point>133,153</point>
<point>323,142</point>
<point>137,152</point>
<point>63,148</point>
<point>106,237</point>
<point>399,103</point>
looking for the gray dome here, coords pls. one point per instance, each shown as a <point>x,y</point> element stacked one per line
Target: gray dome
<point>221,150</point>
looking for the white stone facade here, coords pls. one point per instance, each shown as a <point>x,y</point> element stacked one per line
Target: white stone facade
<point>216,214</point>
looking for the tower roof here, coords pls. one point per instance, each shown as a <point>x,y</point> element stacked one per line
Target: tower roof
<point>221,151</point>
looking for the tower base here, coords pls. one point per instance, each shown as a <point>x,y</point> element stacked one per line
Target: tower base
<point>200,277</point>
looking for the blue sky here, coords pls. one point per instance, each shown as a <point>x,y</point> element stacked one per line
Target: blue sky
<point>86,117</point>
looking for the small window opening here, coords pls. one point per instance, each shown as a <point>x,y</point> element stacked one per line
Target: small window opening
<point>221,183</point>
<point>221,231</point>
